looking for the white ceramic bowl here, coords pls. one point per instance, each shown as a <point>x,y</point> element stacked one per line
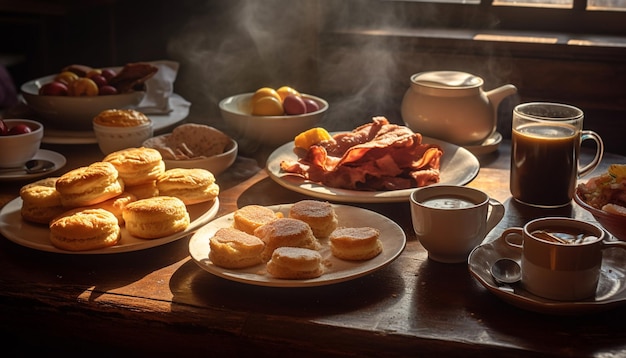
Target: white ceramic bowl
<point>271,131</point>
<point>216,164</point>
<point>17,149</point>
<point>111,139</point>
<point>74,113</point>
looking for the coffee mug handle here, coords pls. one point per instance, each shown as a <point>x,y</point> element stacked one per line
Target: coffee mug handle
<point>517,231</point>
<point>496,214</point>
<point>599,152</point>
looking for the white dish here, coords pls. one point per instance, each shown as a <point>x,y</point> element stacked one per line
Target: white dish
<point>458,167</point>
<point>391,235</point>
<point>489,145</point>
<point>36,237</point>
<point>180,111</point>
<point>58,160</point>
<point>611,290</point>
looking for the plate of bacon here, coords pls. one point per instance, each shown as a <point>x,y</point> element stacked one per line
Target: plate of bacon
<point>378,162</point>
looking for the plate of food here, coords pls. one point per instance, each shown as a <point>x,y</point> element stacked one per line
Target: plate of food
<point>37,236</point>
<point>438,162</point>
<point>391,239</point>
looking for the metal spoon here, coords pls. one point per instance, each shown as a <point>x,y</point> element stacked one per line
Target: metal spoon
<point>506,271</point>
<point>33,166</point>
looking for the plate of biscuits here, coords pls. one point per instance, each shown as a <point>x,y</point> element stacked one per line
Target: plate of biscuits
<point>303,244</point>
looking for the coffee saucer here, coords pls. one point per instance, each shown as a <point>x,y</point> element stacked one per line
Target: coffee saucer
<point>489,145</point>
<point>56,158</point>
<point>611,291</point>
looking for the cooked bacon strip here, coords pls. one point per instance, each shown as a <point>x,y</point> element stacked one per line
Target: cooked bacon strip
<point>375,156</point>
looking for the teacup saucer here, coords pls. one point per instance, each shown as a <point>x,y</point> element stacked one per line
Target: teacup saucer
<point>489,145</point>
<point>57,158</point>
<point>611,290</point>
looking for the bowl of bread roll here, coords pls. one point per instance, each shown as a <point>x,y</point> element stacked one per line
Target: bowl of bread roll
<point>194,145</point>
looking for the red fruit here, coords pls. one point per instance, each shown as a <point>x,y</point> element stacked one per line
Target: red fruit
<point>53,89</point>
<point>311,105</point>
<point>294,105</point>
<point>99,80</point>
<point>20,129</point>
<point>4,130</point>
<point>107,90</point>
<point>108,74</point>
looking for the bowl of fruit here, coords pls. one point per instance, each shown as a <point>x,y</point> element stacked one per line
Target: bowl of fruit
<point>271,117</point>
<point>604,196</point>
<point>71,98</point>
<point>19,141</point>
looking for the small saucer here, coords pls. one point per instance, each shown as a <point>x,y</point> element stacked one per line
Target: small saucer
<point>489,145</point>
<point>58,160</point>
<point>611,291</point>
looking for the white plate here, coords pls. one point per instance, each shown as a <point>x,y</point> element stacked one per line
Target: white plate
<point>391,236</point>
<point>180,111</point>
<point>489,145</point>
<point>58,160</point>
<point>611,290</point>
<point>458,167</point>
<point>36,237</point>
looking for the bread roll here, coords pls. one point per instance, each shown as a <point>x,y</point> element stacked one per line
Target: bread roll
<point>285,232</point>
<point>355,243</point>
<point>250,217</point>
<point>320,216</point>
<point>137,165</point>
<point>295,263</point>
<point>192,186</point>
<point>41,202</point>
<point>234,249</point>
<point>89,185</point>
<point>84,229</point>
<point>155,217</point>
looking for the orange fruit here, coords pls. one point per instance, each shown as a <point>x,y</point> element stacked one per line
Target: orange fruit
<point>83,87</point>
<point>267,106</point>
<point>285,91</point>
<point>265,92</point>
<point>66,77</point>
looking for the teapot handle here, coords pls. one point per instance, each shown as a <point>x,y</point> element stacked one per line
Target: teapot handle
<point>496,96</point>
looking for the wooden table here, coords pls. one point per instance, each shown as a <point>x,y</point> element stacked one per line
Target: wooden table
<point>159,301</point>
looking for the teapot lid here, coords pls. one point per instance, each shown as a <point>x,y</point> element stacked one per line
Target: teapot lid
<point>447,79</point>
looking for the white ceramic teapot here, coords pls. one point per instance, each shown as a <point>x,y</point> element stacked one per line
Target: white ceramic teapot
<point>451,106</point>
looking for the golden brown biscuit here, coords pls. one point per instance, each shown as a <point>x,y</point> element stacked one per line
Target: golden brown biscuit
<point>233,249</point>
<point>295,263</point>
<point>41,202</point>
<point>155,217</point>
<point>84,229</point>
<point>250,217</point>
<point>320,216</point>
<point>192,186</point>
<point>116,205</point>
<point>137,165</point>
<point>355,243</point>
<point>143,191</point>
<point>285,232</point>
<point>89,185</point>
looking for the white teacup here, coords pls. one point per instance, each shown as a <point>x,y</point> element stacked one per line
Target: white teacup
<point>451,220</point>
<point>561,257</point>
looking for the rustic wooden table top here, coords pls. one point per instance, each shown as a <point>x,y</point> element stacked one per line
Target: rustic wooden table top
<point>159,301</point>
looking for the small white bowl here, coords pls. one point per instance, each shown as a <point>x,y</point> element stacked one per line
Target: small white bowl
<point>216,164</point>
<point>17,149</point>
<point>271,131</point>
<point>74,113</point>
<point>111,139</point>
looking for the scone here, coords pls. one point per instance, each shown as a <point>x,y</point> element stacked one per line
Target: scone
<point>355,243</point>
<point>295,263</point>
<point>234,249</point>
<point>155,217</point>
<point>84,229</point>
<point>250,217</point>
<point>192,186</point>
<point>41,202</point>
<point>89,185</point>
<point>320,216</point>
<point>285,232</point>
<point>116,205</point>
<point>137,165</point>
<point>144,190</point>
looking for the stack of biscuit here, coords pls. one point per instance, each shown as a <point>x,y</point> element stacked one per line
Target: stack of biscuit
<point>85,208</point>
